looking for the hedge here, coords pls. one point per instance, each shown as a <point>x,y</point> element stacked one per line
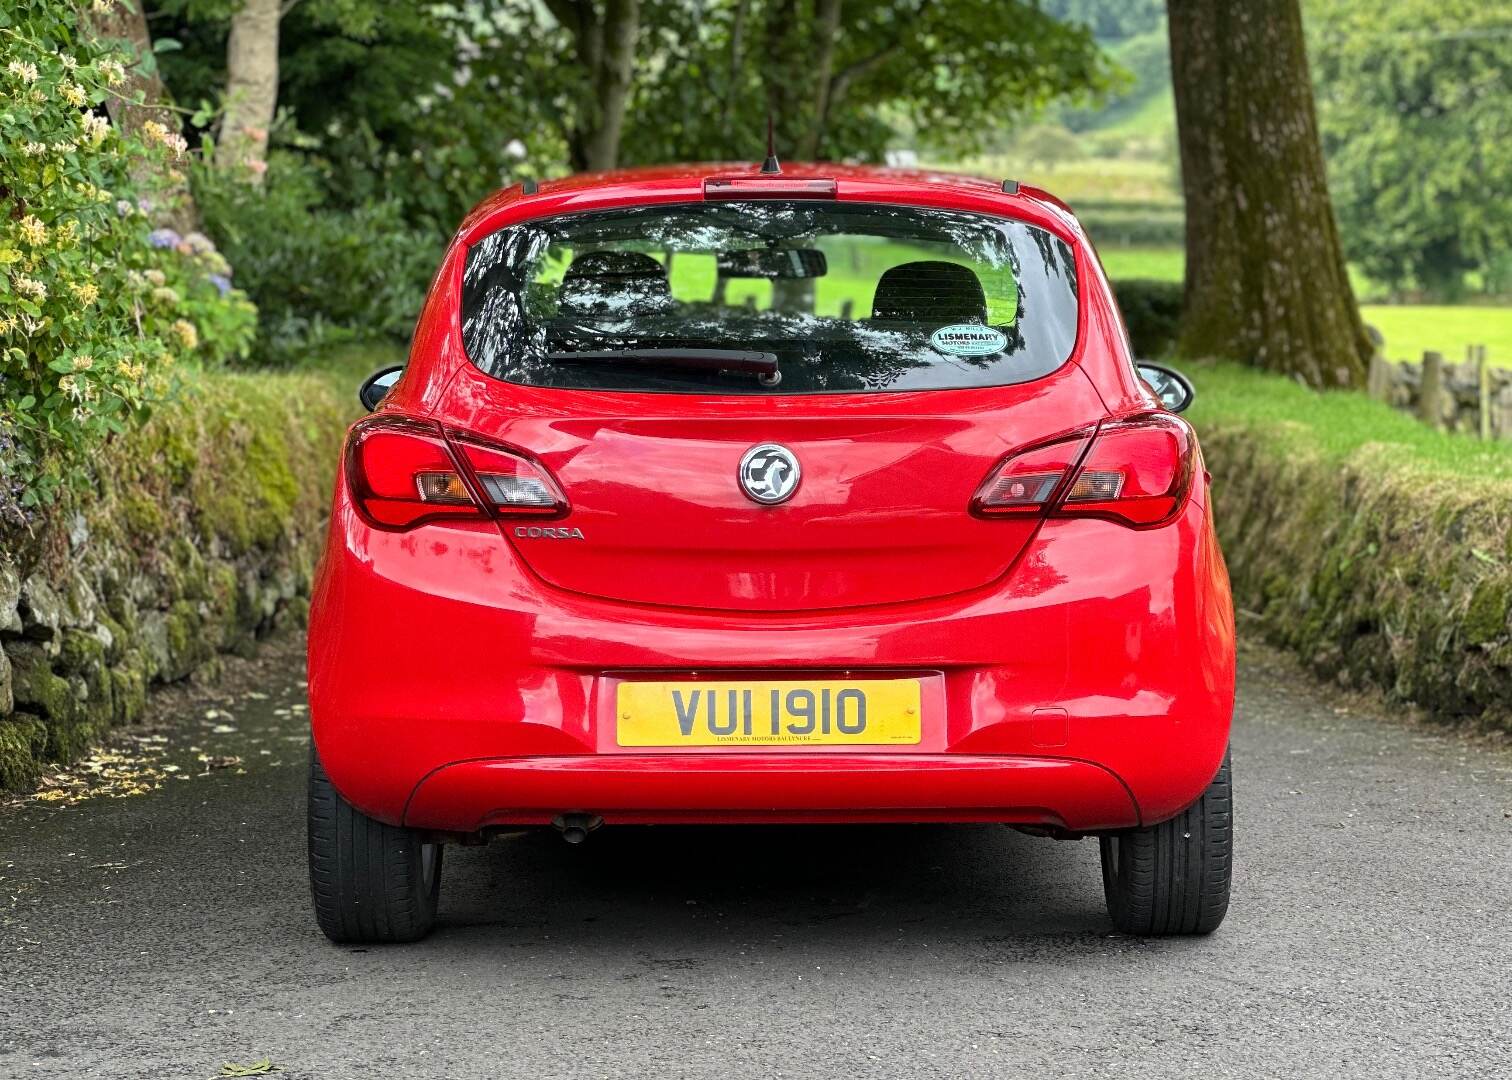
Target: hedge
<point>1378,550</point>
<point>199,535</point>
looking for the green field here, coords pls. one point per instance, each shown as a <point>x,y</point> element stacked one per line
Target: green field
<point>1161,264</point>
<point>1410,329</point>
<point>1336,424</point>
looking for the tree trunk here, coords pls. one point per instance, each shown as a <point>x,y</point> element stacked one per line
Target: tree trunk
<point>251,88</point>
<point>173,205</point>
<point>1265,276</point>
<point>605,48</point>
<point>826,27</point>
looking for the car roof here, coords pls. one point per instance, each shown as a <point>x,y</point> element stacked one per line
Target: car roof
<point>665,183</point>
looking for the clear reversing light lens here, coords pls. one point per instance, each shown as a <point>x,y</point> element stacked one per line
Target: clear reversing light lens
<point>517,491</point>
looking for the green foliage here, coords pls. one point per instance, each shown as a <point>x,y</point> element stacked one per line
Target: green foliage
<point>92,315</point>
<point>1375,547</point>
<point>1152,313</point>
<point>1416,121</point>
<point>948,76</point>
<point>318,273</point>
<point>1110,20</point>
<point>424,105</point>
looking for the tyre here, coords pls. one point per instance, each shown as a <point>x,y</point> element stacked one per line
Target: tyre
<point>370,882</point>
<point>1173,878</point>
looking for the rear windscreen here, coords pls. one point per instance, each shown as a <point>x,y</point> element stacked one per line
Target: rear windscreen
<point>843,297</point>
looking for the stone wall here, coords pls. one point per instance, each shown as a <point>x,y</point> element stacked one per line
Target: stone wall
<point>1377,570</point>
<point>1461,398</point>
<point>199,536</point>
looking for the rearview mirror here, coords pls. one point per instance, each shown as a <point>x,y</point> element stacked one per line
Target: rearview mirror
<point>773,263</point>
<point>1169,385</point>
<point>377,385</point>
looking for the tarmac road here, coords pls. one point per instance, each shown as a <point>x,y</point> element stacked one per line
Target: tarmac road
<point>161,935</point>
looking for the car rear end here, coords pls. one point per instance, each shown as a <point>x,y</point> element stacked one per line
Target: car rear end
<point>739,499</point>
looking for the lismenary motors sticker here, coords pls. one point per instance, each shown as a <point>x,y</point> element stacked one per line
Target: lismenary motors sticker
<point>968,339</point>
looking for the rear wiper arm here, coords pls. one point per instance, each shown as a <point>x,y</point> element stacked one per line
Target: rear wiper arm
<point>761,364</point>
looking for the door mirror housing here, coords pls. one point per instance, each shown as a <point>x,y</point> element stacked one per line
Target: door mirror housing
<point>1172,387</point>
<point>377,385</point>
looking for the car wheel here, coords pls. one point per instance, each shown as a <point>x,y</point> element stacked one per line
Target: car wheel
<point>1173,878</point>
<point>371,882</point>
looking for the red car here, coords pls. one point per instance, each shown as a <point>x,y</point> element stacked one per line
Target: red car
<point>714,495</point>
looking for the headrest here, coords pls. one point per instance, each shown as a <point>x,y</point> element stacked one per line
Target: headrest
<point>614,283</point>
<point>929,291</point>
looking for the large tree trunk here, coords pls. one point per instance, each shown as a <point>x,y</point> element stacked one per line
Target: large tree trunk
<point>251,87</point>
<point>1265,276</point>
<point>605,46</point>
<point>173,204</point>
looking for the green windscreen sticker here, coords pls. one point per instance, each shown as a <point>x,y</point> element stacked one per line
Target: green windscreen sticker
<point>968,339</point>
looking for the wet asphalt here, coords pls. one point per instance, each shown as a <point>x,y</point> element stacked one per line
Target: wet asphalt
<point>162,935</point>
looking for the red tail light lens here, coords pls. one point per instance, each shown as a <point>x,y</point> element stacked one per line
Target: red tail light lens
<point>403,473</point>
<point>1136,472</point>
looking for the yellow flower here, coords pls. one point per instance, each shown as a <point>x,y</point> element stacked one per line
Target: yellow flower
<point>23,70</point>
<point>33,231</point>
<point>69,61</point>
<point>114,73</point>
<point>8,324</point>
<point>184,330</point>
<point>73,93</point>
<point>34,149</point>
<point>103,7</point>
<point>83,362</point>
<point>86,292</point>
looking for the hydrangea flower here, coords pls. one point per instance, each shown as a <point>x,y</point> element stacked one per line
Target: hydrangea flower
<point>164,238</point>
<point>221,282</point>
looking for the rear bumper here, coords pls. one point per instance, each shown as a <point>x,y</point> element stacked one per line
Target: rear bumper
<point>772,788</point>
<point>1090,688</point>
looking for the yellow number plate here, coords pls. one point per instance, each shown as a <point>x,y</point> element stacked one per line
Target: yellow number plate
<point>862,713</point>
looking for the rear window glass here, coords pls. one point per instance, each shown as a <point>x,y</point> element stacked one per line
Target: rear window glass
<point>843,297</point>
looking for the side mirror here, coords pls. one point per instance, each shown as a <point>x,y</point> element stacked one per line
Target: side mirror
<point>378,384</point>
<point>1170,386</point>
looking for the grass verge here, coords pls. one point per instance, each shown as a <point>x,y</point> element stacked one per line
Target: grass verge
<point>1378,550</point>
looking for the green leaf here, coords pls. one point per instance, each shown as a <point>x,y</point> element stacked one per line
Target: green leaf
<point>166,44</point>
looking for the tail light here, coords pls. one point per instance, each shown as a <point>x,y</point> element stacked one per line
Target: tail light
<point>1136,472</point>
<point>403,473</point>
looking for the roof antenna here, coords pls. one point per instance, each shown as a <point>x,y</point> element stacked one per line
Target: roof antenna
<point>770,166</point>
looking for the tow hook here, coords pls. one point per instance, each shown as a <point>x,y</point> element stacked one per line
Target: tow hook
<point>576,827</point>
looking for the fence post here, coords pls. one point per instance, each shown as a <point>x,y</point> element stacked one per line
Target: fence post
<point>1378,382</point>
<point>847,308</point>
<point>1431,393</point>
<point>1483,390</point>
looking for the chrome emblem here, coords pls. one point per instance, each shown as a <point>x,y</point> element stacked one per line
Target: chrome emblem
<point>769,473</point>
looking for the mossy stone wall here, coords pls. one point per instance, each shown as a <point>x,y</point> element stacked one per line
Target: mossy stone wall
<point>1376,575</point>
<point>200,535</point>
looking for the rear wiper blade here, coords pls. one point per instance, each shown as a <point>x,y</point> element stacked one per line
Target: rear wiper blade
<point>761,364</point>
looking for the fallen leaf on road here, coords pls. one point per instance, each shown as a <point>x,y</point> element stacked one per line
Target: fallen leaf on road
<point>257,1068</point>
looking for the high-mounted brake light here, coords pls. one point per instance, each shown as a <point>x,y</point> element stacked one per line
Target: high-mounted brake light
<point>1136,472</point>
<point>766,187</point>
<point>403,473</point>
